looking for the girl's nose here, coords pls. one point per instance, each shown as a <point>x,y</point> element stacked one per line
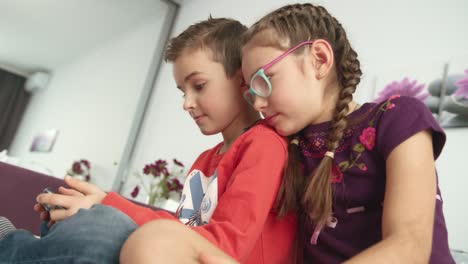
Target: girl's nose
<point>260,103</point>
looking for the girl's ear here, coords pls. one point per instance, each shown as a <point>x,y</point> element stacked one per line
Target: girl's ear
<point>322,57</point>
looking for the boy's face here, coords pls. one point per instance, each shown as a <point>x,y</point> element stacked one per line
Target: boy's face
<point>212,99</point>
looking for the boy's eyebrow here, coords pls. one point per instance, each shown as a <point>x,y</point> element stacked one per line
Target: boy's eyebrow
<point>189,76</point>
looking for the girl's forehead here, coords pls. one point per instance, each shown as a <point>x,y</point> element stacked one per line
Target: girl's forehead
<point>258,56</point>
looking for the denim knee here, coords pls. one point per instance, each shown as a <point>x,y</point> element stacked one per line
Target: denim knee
<point>95,235</point>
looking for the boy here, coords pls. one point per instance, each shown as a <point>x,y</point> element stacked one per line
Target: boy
<point>230,192</point>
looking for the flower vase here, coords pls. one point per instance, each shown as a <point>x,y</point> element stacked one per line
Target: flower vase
<point>170,204</point>
<point>153,199</point>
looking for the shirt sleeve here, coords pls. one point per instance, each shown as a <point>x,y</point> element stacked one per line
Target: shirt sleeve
<point>402,117</point>
<point>139,214</point>
<point>243,209</point>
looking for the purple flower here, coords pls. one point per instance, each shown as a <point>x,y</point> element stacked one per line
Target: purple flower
<point>174,185</point>
<point>135,191</point>
<point>160,164</point>
<point>404,88</point>
<point>178,163</point>
<point>462,87</point>
<point>168,181</point>
<point>147,169</point>
<point>76,167</point>
<point>86,163</point>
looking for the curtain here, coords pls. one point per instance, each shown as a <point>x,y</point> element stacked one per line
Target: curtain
<point>13,101</point>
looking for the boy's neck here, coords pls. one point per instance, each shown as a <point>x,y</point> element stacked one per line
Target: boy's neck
<point>236,128</point>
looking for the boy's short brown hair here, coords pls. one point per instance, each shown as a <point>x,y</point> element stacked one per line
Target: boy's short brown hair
<point>222,36</point>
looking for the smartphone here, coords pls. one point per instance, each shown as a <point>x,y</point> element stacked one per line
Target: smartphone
<point>49,207</point>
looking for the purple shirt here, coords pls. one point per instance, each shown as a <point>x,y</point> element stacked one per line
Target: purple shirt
<point>358,181</point>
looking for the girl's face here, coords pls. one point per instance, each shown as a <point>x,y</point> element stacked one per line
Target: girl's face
<point>297,97</point>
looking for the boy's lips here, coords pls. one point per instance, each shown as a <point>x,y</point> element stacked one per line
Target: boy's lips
<point>198,118</point>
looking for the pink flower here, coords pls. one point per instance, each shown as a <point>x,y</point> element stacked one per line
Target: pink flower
<point>390,106</point>
<point>337,175</point>
<point>364,168</point>
<point>367,138</point>
<point>404,87</point>
<point>462,87</point>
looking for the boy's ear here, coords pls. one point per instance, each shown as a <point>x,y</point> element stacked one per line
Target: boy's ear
<point>239,76</point>
<point>322,57</point>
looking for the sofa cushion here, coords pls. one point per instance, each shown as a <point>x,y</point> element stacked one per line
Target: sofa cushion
<point>18,190</point>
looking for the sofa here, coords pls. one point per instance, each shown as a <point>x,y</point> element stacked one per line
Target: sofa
<point>19,188</point>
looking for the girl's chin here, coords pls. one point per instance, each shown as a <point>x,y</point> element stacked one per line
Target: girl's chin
<point>285,131</point>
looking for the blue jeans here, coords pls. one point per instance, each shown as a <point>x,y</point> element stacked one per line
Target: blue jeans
<point>90,236</point>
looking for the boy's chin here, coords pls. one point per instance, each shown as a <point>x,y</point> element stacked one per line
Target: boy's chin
<point>208,132</point>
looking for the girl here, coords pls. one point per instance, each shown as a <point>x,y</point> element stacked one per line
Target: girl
<point>361,177</point>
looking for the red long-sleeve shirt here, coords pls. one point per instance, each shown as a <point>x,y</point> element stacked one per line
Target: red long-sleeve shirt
<point>229,199</point>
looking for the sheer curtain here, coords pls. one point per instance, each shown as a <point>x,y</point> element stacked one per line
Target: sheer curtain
<point>13,101</point>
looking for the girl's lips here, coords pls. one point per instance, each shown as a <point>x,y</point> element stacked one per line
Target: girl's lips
<point>269,119</point>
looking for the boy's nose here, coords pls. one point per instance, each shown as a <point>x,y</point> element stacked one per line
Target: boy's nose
<point>189,102</point>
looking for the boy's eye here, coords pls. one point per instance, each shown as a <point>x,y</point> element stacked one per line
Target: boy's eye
<point>199,86</point>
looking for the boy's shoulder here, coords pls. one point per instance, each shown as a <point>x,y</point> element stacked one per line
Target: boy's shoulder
<point>261,133</point>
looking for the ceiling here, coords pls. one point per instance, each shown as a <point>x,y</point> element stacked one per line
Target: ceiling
<point>42,35</point>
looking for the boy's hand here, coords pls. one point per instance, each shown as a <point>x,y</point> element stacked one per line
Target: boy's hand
<point>80,195</point>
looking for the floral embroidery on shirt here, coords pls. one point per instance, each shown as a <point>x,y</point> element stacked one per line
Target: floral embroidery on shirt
<point>366,139</point>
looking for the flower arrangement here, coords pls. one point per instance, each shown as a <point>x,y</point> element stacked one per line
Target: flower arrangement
<point>404,87</point>
<point>80,169</point>
<point>162,182</point>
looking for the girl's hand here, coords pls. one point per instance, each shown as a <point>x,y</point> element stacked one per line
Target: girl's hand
<point>80,195</point>
<point>211,259</point>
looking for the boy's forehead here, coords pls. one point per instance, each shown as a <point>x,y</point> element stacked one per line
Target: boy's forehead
<point>200,53</point>
<point>194,60</point>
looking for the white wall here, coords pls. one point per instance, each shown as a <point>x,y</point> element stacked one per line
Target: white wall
<point>387,36</point>
<point>91,101</point>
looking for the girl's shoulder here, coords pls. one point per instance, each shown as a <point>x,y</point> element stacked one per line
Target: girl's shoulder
<point>400,117</point>
<point>396,109</point>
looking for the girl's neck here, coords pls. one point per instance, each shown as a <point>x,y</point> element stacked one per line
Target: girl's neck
<point>327,115</point>
<point>236,128</point>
